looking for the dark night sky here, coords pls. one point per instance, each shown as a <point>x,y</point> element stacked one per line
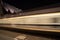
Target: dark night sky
<point>29,4</point>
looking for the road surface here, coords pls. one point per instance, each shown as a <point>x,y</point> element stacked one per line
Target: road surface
<point>8,35</point>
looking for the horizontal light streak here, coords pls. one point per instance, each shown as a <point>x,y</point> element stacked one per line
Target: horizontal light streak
<point>39,15</point>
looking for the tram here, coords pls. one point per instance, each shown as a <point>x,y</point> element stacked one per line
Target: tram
<point>47,19</point>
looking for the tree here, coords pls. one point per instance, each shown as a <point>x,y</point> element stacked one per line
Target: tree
<point>1,9</point>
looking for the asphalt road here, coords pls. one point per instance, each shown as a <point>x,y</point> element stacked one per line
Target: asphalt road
<point>8,35</point>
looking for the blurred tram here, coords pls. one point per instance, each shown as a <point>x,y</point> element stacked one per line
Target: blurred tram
<point>47,19</point>
<point>39,22</point>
